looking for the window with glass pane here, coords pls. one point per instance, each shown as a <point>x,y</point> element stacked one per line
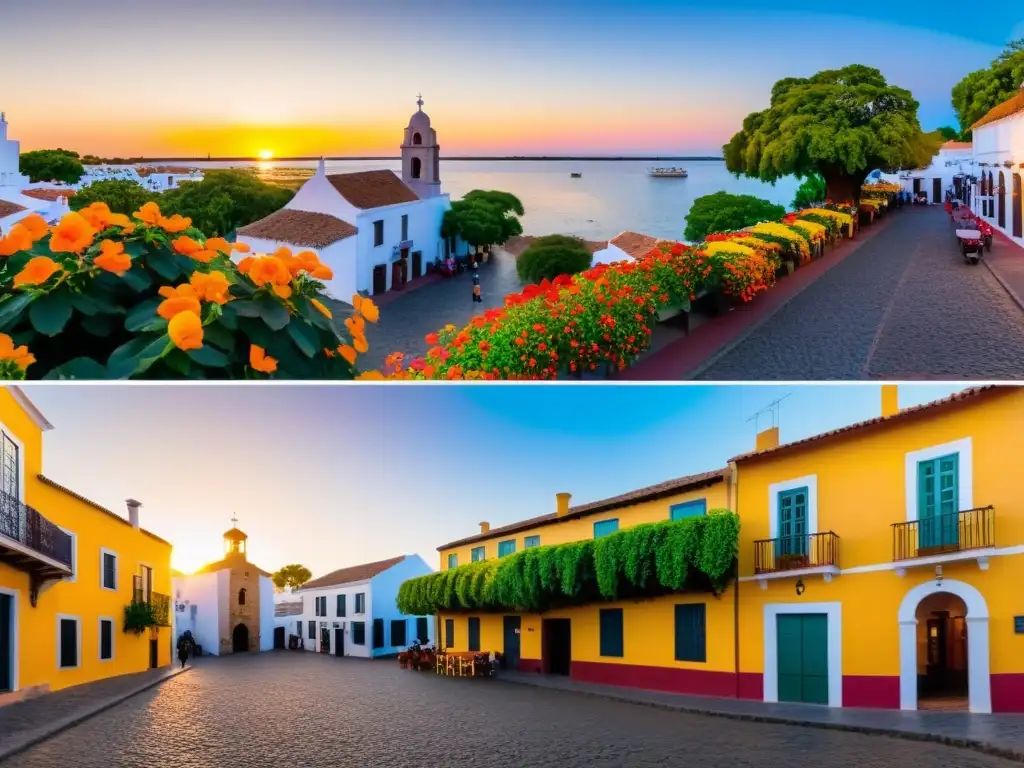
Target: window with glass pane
<point>531,541</point>
<point>695,508</point>
<point>605,527</point>
<point>361,602</point>
<point>109,571</point>
<point>340,608</point>
<point>68,643</point>
<point>793,522</point>
<point>477,554</point>
<point>106,639</point>
<point>506,547</point>
<point>938,513</point>
<point>453,561</point>
<point>358,633</point>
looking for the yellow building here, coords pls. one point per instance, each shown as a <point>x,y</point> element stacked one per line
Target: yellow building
<point>869,571</point>
<point>68,569</point>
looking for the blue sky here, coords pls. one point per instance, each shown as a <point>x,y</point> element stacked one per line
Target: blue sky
<point>335,476</point>
<point>501,76</point>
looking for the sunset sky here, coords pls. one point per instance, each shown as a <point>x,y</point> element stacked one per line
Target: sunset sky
<point>337,77</point>
<point>336,476</point>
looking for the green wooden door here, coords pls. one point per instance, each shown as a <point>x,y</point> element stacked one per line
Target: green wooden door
<point>793,522</point>
<point>802,641</point>
<point>938,497</point>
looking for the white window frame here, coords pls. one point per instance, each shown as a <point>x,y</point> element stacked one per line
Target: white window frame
<point>357,606</point>
<point>117,569</point>
<point>808,481</point>
<point>99,638</point>
<point>15,595</point>
<point>965,473</point>
<point>78,640</point>
<point>21,459</point>
<point>73,578</point>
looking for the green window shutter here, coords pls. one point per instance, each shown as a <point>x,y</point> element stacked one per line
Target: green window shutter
<point>106,639</point>
<point>358,632</point>
<point>507,547</point>
<point>793,522</point>
<point>477,554</point>
<point>378,633</point>
<point>938,502</point>
<point>361,602</point>
<point>691,632</point>
<point>611,632</point>
<point>474,633</point>
<point>398,633</point>
<point>312,630</point>
<point>695,508</point>
<point>531,541</point>
<point>340,607</point>
<point>422,629</point>
<point>605,527</point>
<point>453,561</point>
<point>449,633</point>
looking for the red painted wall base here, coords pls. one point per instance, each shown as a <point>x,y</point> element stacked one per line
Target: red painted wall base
<point>695,682</point>
<point>1007,693</point>
<point>874,691</point>
<point>532,665</point>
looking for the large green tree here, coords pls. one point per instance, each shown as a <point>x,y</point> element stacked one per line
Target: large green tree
<point>840,124</point>
<point>293,576</point>
<point>810,192</point>
<point>551,256</point>
<point>120,196</point>
<point>224,201</point>
<point>723,212</point>
<point>484,217</point>
<point>52,165</point>
<point>986,88</point>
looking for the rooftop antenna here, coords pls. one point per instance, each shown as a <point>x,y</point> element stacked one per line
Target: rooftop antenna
<point>773,409</point>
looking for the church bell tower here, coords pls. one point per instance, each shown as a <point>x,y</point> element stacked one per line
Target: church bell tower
<point>421,155</point>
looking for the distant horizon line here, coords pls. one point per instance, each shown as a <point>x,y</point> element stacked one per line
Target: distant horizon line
<point>514,158</point>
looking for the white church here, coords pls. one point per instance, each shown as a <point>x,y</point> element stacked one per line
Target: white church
<point>374,229</point>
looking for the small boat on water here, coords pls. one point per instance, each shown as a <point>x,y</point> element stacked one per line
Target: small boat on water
<point>576,175</point>
<point>668,173</point>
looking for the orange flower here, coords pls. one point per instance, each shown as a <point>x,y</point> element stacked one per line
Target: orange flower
<point>240,247</point>
<point>122,221</point>
<point>20,355</point>
<point>360,343</point>
<point>321,308</point>
<point>356,325</point>
<point>203,256</point>
<point>72,235</point>
<point>211,287</point>
<point>18,239</point>
<point>269,269</point>
<point>149,214</point>
<point>366,308</point>
<point>185,245</point>
<point>370,376</point>
<point>97,214</point>
<point>38,270</point>
<point>36,226</point>
<point>186,331</point>
<point>260,361</point>
<point>217,244</point>
<point>174,224</point>
<point>284,291</point>
<point>112,258</point>
<point>431,338</point>
<point>178,300</point>
<point>245,265</point>
<point>348,353</point>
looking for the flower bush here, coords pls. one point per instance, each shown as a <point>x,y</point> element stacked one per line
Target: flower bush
<point>103,295</point>
<point>697,553</point>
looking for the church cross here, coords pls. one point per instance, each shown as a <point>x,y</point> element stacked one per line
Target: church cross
<point>234,522</point>
<point>419,101</point>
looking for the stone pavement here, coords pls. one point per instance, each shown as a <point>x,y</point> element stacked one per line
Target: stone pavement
<point>1001,735</point>
<point>310,710</point>
<point>29,722</point>
<point>1006,262</point>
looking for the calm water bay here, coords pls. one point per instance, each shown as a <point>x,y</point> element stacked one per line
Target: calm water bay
<point>611,196</point>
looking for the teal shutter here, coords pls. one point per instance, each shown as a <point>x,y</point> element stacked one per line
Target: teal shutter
<point>802,648</point>
<point>507,547</point>
<point>792,522</point>
<point>696,508</point>
<point>358,632</point>
<point>453,561</point>
<point>340,607</point>
<point>378,633</point>
<point>531,541</point>
<point>474,633</point>
<point>399,631</point>
<point>691,632</point>
<point>605,527</point>
<point>611,632</point>
<point>449,633</point>
<point>477,554</point>
<point>938,502</point>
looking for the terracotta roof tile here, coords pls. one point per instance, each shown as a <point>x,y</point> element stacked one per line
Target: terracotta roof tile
<point>48,194</point>
<point>351,574</point>
<point>649,493</point>
<point>302,228</point>
<point>1011,106</point>
<point>7,208</point>
<point>372,189</point>
<point>293,608</point>
<point>957,145</point>
<point>955,398</point>
<point>634,244</point>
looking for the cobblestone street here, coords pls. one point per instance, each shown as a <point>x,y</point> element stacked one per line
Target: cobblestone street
<point>904,306</point>
<point>307,710</point>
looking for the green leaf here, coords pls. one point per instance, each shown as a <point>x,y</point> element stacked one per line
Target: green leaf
<point>244,308</point>
<point>137,279</point>
<point>312,314</point>
<point>304,337</point>
<point>134,248</point>
<point>11,308</point>
<point>179,362</point>
<point>143,317</point>
<point>273,312</point>
<point>137,355</point>
<point>218,334</point>
<point>100,325</point>
<point>79,368</point>
<point>51,312</point>
<point>211,357</point>
<point>162,261</point>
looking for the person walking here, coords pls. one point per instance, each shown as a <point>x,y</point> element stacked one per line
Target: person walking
<point>477,296</point>
<point>183,649</point>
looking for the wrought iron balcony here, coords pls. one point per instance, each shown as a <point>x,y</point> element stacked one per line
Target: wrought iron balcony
<point>31,543</point>
<point>794,553</point>
<point>944,534</point>
<point>161,604</point>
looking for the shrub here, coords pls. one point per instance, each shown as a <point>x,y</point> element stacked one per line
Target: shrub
<point>51,165</point>
<point>551,256</point>
<point>646,560</point>
<point>723,212</point>
<point>810,192</point>
<point>225,200</point>
<point>118,195</point>
<point>105,296</point>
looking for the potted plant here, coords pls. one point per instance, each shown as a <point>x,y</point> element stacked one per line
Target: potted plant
<point>791,561</point>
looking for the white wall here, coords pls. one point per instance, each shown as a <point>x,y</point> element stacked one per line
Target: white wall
<point>995,144</point>
<point>610,255</point>
<point>202,590</point>
<point>339,256</point>
<point>945,166</point>
<point>331,593</point>
<point>266,614</point>
<point>425,218</point>
<point>385,592</point>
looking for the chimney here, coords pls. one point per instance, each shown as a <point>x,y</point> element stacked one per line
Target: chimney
<point>562,500</point>
<point>484,527</point>
<point>767,439</point>
<point>133,512</point>
<point>890,400</point>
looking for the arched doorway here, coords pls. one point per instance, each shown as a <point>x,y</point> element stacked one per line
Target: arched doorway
<point>944,647</point>
<point>1018,207</point>
<point>240,639</point>
<point>1002,200</point>
<point>417,167</point>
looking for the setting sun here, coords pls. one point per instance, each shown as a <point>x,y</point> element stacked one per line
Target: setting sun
<point>266,154</point>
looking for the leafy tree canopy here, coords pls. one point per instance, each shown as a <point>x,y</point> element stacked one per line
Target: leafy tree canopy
<point>551,256</point>
<point>293,576</point>
<point>51,165</point>
<point>948,133</point>
<point>810,192</point>
<point>984,89</point>
<point>723,212</point>
<point>839,123</point>
<point>120,196</point>
<point>224,201</point>
<point>484,217</point>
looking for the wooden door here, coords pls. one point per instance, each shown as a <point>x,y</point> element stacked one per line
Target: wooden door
<point>154,653</point>
<point>936,190</point>
<point>802,648</point>
<point>792,524</point>
<point>279,638</point>
<point>938,504</point>
<point>474,633</point>
<point>339,641</point>
<point>380,279</point>
<point>1018,206</point>
<point>1002,200</point>
<point>511,626</point>
<point>6,644</point>
<point>417,263</point>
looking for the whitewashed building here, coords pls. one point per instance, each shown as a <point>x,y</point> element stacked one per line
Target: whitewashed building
<point>353,611</point>
<point>625,246</point>
<point>950,170</point>
<point>999,158</point>
<point>18,197</point>
<point>159,178</point>
<point>374,229</point>
<point>227,605</point>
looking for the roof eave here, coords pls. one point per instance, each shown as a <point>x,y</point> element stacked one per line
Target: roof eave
<point>30,408</point>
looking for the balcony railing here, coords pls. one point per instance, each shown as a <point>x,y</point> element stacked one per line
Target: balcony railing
<point>791,553</point>
<point>25,525</point>
<point>942,534</point>
<point>161,604</point>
